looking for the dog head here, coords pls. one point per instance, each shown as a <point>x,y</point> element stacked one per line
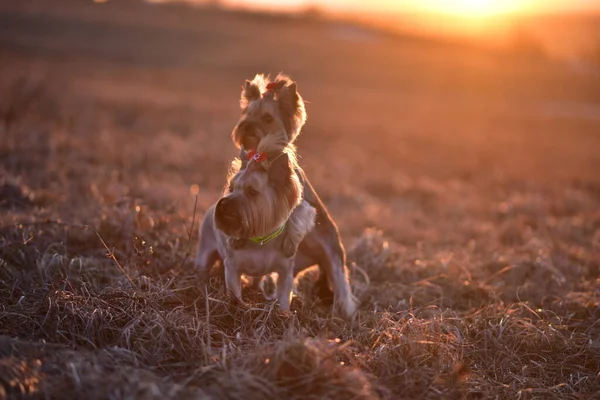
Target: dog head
<point>261,194</point>
<point>268,107</point>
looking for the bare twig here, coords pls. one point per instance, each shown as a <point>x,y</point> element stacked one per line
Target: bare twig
<point>111,255</point>
<point>191,232</point>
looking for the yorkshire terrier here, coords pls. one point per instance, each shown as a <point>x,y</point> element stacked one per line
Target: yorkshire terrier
<point>275,109</point>
<point>255,228</point>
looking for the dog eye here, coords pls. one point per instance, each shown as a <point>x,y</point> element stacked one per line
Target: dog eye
<point>267,118</point>
<point>252,192</point>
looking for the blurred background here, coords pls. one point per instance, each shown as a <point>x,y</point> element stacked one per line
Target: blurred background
<point>558,28</point>
<point>420,113</point>
<point>455,143</point>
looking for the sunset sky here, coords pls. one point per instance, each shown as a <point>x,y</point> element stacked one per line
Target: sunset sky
<point>452,7</point>
<point>490,21</point>
<point>493,21</point>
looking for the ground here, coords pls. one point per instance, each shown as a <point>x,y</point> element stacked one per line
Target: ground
<point>464,181</point>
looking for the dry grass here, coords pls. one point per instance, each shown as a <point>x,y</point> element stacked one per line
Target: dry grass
<point>480,279</point>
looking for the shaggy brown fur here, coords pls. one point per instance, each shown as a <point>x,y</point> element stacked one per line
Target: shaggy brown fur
<point>260,198</point>
<point>273,114</point>
<point>271,146</point>
<point>269,108</point>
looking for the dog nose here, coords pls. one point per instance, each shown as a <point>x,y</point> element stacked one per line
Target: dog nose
<point>226,209</point>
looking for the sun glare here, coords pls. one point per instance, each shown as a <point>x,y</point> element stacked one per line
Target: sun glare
<point>476,8</point>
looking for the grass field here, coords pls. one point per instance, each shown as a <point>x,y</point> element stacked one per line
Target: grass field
<point>465,182</point>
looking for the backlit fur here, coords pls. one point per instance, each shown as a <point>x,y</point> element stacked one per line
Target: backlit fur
<point>262,205</point>
<point>271,120</point>
<point>241,256</point>
<point>265,112</point>
<point>263,196</point>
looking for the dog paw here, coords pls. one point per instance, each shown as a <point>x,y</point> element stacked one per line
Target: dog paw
<point>347,306</point>
<point>286,313</point>
<point>238,303</point>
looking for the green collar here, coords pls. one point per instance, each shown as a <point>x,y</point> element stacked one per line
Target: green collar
<point>265,239</point>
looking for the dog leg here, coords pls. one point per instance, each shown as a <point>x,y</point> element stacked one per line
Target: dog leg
<point>285,283</point>
<point>205,259</point>
<point>233,281</point>
<point>344,301</point>
<point>323,288</point>
<point>300,223</point>
<point>290,245</point>
<point>207,253</point>
<point>268,286</point>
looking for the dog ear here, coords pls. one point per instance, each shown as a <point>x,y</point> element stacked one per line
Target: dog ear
<point>291,106</point>
<point>250,92</point>
<point>279,170</point>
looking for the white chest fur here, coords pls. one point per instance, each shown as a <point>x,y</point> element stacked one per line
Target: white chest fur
<point>255,261</point>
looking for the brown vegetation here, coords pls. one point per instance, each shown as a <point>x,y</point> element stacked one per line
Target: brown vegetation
<point>464,181</point>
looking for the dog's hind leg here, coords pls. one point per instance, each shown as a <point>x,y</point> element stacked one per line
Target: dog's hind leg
<point>268,286</point>
<point>322,285</point>
<point>344,301</point>
<point>312,252</point>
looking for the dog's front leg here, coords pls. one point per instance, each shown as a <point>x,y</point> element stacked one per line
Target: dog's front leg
<point>300,223</point>
<point>233,280</point>
<point>290,244</point>
<point>285,284</point>
<point>207,253</point>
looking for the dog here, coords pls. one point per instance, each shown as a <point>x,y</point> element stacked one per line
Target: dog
<point>269,108</point>
<point>255,228</point>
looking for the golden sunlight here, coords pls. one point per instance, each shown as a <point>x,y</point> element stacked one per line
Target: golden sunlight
<point>477,8</point>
